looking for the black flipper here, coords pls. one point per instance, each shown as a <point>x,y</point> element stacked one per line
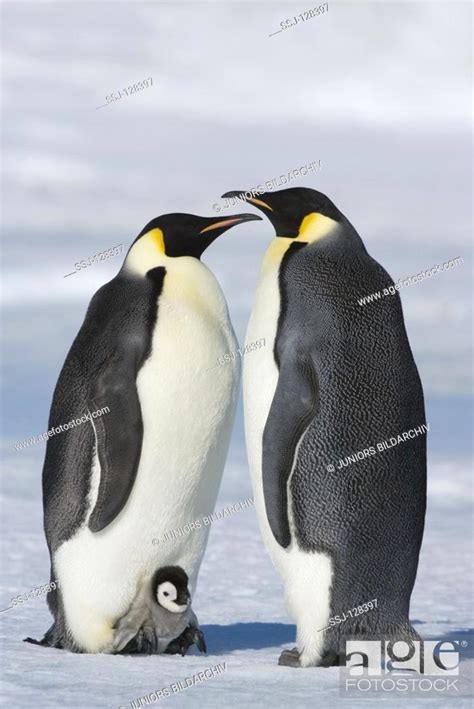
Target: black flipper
<point>100,371</point>
<point>293,407</point>
<point>119,439</point>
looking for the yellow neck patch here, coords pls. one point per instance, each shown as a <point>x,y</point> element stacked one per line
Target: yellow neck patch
<point>313,227</point>
<point>157,238</point>
<point>147,252</point>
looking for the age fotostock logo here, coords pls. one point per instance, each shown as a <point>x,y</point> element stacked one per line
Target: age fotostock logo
<point>425,667</point>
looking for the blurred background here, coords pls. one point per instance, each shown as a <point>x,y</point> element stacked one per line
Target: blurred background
<point>379,92</point>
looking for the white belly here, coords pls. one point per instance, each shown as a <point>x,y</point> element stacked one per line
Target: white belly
<point>307,575</point>
<point>260,381</point>
<point>187,415</point>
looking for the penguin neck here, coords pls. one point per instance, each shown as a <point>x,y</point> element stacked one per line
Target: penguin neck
<point>274,255</point>
<point>188,283</point>
<point>146,253</point>
<point>313,228</point>
<point>316,226</point>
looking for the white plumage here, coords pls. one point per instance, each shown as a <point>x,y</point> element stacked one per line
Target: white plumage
<point>307,576</point>
<point>187,417</point>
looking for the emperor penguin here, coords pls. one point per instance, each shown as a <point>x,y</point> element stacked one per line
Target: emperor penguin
<point>335,380</point>
<point>161,611</point>
<point>153,460</point>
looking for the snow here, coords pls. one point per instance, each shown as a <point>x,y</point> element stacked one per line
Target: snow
<point>239,603</point>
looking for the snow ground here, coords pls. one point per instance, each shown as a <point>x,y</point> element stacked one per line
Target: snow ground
<point>240,606</point>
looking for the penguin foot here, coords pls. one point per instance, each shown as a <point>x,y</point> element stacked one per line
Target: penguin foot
<point>331,659</point>
<point>190,636</point>
<point>290,658</point>
<point>145,642</point>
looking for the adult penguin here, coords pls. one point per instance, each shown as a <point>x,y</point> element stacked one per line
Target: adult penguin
<point>153,460</point>
<point>341,511</point>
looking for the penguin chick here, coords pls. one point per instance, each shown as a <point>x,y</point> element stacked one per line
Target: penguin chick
<point>160,613</point>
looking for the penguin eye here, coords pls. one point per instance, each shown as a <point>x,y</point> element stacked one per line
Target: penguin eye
<point>165,593</point>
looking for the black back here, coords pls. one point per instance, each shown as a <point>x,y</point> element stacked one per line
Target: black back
<point>347,380</point>
<point>100,371</point>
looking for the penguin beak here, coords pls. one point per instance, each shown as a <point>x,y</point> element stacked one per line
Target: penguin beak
<point>184,599</point>
<point>240,194</point>
<point>224,224</point>
<point>276,206</point>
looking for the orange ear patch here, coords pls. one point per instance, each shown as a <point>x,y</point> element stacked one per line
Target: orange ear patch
<point>217,225</point>
<point>259,203</point>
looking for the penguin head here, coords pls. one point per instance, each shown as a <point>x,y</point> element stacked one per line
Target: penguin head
<point>175,235</point>
<point>296,213</point>
<point>170,589</point>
